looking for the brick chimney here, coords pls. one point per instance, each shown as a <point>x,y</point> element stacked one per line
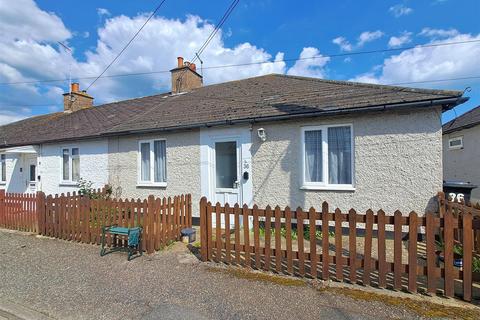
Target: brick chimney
<point>185,77</point>
<point>76,99</point>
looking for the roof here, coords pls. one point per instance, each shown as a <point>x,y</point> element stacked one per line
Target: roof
<point>261,98</point>
<point>467,120</point>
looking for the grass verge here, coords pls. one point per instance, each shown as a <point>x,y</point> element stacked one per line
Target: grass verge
<point>419,306</point>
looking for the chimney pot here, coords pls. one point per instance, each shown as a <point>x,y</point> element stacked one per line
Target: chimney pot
<point>75,87</point>
<point>185,77</point>
<point>180,61</point>
<point>76,99</point>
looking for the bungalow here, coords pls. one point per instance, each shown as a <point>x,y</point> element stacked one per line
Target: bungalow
<point>273,139</point>
<point>461,150</point>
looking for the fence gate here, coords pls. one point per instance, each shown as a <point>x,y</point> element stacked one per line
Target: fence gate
<point>18,211</point>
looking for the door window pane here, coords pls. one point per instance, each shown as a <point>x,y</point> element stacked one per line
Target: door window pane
<point>66,164</point>
<point>339,155</point>
<point>75,164</point>
<point>3,167</point>
<point>313,156</point>
<point>226,164</point>
<point>33,173</point>
<point>160,169</point>
<point>145,162</point>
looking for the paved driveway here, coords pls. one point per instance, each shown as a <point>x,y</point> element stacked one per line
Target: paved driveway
<point>65,280</point>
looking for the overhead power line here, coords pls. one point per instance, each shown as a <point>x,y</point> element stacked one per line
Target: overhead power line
<point>128,43</point>
<point>345,54</point>
<point>211,35</point>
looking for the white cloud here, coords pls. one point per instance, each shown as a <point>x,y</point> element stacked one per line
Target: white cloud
<point>343,43</point>
<point>9,117</point>
<point>22,19</point>
<point>309,67</point>
<point>396,42</point>
<point>103,12</point>
<point>369,36</point>
<point>400,10</point>
<point>438,33</point>
<point>363,38</point>
<point>155,49</point>
<point>429,63</point>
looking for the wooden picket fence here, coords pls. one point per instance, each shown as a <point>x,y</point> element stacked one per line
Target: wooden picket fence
<point>79,218</point>
<point>351,253</point>
<point>18,211</point>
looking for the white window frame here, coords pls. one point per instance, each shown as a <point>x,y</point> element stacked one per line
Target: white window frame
<point>324,185</point>
<point>460,146</point>
<point>3,163</point>
<point>151,183</point>
<point>70,181</point>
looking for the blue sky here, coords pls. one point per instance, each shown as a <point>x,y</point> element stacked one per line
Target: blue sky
<point>256,31</point>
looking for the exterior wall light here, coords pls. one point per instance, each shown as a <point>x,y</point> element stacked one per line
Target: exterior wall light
<point>262,134</point>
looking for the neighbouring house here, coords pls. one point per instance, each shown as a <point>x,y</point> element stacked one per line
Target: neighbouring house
<point>273,139</point>
<point>461,150</point>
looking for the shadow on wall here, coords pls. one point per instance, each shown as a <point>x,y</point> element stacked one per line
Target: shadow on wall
<point>287,161</point>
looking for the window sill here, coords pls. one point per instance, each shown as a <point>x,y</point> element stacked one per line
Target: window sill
<point>328,188</point>
<point>151,185</point>
<point>68,184</point>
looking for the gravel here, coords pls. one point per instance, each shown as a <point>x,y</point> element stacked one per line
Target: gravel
<point>67,280</point>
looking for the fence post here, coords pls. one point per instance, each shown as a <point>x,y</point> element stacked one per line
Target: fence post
<point>2,208</point>
<point>41,211</point>
<point>203,229</point>
<point>149,224</point>
<point>467,254</point>
<point>441,203</point>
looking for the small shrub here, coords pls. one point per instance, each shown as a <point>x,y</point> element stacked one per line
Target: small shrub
<point>476,264</point>
<point>85,188</point>
<point>294,232</point>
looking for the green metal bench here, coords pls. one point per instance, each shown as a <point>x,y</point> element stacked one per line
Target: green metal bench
<point>134,237</point>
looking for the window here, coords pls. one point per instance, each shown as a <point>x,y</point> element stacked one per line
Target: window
<point>33,169</point>
<point>455,143</point>
<point>3,168</point>
<point>226,164</point>
<point>152,162</point>
<point>71,164</point>
<point>327,157</point>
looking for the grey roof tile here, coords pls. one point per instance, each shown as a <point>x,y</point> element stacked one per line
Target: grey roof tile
<point>467,120</point>
<point>258,97</point>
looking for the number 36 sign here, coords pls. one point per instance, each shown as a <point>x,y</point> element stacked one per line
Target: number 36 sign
<point>459,197</point>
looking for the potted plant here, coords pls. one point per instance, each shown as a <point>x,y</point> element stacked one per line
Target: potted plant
<point>457,254</point>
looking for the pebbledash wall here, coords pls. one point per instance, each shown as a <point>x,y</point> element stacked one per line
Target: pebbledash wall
<point>183,166</point>
<point>463,164</point>
<point>93,165</point>
<point>397,164</point>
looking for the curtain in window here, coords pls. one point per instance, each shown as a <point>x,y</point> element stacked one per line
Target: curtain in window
<point>3,167</point>
<point>313,156</point>
<point>339,155</point>
<point>160,169</point>
<point>66,164</point>
<point>145,164</point>
<point>75,164</point>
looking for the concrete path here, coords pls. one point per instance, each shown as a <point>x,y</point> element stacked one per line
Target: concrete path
<point>57,279</point>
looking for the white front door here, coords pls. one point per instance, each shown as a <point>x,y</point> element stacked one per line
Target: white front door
<point>227,171</point>
<point>226,165</point>
<point>31,173</point>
